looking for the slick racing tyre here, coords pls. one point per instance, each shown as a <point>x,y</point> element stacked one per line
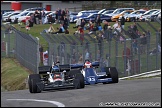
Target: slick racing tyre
<point>80,77</point>
<point>114,74</point>
<point>32,80</point>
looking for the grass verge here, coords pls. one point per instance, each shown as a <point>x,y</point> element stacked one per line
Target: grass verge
<point>13,75</point>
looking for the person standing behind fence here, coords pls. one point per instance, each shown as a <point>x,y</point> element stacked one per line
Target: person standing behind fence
<point>59,15</point>
<point>159,40</point>
<point>62,16</point>
<point>40,17</point>
<point>56,17</point>
<point>78,23</point>
<point>143,43</point>
<point>41,53</point>
<point>65,23</point>
<point>81,32</point>
<point>36,17</point>
<point>122,22</point>
<point>126,56</point>
<point>98,20</point>
<point>67,15</point>
<point>43,16</point>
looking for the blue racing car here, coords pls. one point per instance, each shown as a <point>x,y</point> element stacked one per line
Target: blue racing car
<point>93,76</point>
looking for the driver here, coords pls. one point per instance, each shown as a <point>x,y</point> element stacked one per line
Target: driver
<point>87,64</point>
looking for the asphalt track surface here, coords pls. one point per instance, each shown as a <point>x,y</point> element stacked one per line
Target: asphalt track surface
<point>137,92</point>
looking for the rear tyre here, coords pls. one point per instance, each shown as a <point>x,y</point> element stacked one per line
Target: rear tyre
<point>32,80</point>
<point>80,77</point>
<point>114,74</point>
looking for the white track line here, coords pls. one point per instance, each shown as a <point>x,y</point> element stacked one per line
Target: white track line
<point>53,102</point>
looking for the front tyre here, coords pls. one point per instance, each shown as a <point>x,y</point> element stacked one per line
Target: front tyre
<point>32,80</point>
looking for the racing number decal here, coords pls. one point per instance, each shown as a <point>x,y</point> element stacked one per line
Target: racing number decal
<point>91,79</point>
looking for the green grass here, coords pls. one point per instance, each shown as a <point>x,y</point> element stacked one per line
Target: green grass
<point>13,75</point>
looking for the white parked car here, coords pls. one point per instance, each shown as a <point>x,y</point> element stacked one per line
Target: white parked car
<point>7,17</point>
<point>149,12</point>
<point>151,16</point>
<point>15,17</point>
<point>27,16</point>
<point>133,15</point>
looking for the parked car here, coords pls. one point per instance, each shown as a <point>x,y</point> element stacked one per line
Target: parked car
<point>7,17</point>
<point>133,15</point>
<point>93,16</point>
<point>103,10</point>
<point>119,10</point>
<point>108,12</point>
<point>27,16</point>
<point>72,14</point>
<point>117,16</point>
<point>152,16</point>
<point>14,18</point>
<point>149,12</point>
<point>82,14</point>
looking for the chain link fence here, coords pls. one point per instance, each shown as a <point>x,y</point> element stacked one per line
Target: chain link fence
<point>130,56</point>
<point>21,46</point>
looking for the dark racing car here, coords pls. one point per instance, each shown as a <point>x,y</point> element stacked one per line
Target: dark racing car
<point>55,77</point>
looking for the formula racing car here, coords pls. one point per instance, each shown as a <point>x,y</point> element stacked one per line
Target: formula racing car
<point>55,77</point>
<point>92,74</point>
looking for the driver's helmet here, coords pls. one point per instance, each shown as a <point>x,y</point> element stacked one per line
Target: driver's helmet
<point>87,64</point>
<point>55,69</point>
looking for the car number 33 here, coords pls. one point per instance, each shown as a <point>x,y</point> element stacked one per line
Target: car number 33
<point>91,79</point>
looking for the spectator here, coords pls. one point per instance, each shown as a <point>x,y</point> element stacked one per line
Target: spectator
<point>51,29</point>
<point>67,13</point>
<point>65,23</point>
<point>78,23</point>
<point>134,26</point>
<point>126,55</point>
<point>82,24</point>
<point>59,15</point>
<point>159,40</point>
<point>122,22</point>
<point>62,16</point>
<point>40,17</point>
<point>98,20</point>
<point>80,58</point>
<point>43,16</point>
<point>60,30</point>
<point>116,24</point>
<point>41,53</point>
<point>36,17</point>
<point>143,43</point>
<point>87,54</point>
<point>56,16</point>
<point>135,46</point>
<point>1,17</point>
<point>100,40</point>
<point>81,31</point>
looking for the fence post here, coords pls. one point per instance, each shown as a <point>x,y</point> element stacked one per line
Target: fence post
<point>38,56</point>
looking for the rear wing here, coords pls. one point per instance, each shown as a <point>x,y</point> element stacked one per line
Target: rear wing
<point>64,67</point>
<point>80,66</point>
<point>44,69</point>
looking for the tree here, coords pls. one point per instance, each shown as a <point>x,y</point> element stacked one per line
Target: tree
<point>112,3</point>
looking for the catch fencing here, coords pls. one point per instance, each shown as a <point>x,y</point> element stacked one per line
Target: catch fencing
<point>128,55</point>
<point>19,45</point>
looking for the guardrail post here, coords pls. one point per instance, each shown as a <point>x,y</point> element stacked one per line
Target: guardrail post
<point>38,56</point>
